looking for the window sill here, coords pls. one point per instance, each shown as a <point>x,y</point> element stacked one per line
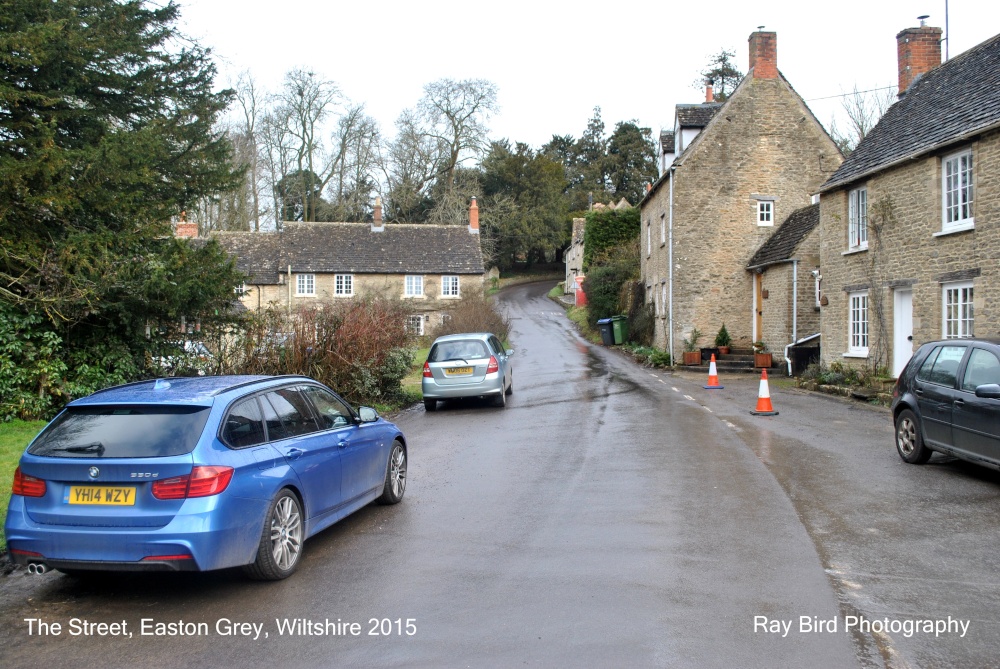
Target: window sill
<point>850,252</point>
<point>851,354</point>
<point>414,297</point>
<point>344,295</point>
<point>965,227</point>
<point>451,297</point>
<point>305,294</point>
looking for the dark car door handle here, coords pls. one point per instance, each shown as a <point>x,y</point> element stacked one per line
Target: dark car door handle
<point>918,391</point>
<point>341,444</point>
<point>959,403</point>
<point>294,453</point>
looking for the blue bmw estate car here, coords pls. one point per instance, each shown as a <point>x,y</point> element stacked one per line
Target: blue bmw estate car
<point>197,474</point>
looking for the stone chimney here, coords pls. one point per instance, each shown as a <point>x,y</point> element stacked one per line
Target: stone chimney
<point>184,229</point>
<point>918,50</point>
<point>377,225</point>
<point>474,217</point>
<point>764,55</point>
<point>709,93</point>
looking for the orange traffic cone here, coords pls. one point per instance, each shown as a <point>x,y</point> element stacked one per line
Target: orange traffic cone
<point>764,407</point>
<point>713,376</point>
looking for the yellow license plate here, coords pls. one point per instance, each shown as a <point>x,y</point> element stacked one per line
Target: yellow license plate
<point>101,494</point>
<point>458,370</point>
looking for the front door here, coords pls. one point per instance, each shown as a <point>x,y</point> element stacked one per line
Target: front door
<point>902,327</point>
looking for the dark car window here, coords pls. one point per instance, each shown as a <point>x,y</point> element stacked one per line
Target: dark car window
<point>983,368</point>
<point>468,349</point>
<point>941,366</point>
<point>287,414</point>
<point>331,411</point>
<point>122,432</point>
<point>244,425</point>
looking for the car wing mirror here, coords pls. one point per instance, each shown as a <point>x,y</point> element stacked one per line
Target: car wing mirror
<point>988,390</point>
<point>367,414</point>
<point>510,351</point>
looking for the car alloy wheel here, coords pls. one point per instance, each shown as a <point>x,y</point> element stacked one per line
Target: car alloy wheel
<point>281,542</point>
<point>909,441</point>
<point>395,475</point>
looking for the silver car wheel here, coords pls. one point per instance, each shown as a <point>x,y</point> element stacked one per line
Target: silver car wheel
<point>397,470</point>
<point>286,533</point>
<point>906,436</point>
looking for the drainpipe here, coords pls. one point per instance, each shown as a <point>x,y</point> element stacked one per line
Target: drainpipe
<point>670,267</point>
<point>289,290</point>
<point>795,299</point>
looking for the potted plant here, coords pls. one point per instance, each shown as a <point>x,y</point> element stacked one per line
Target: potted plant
<point>723,341</point>
<point>761,356</point>
<point>692,356</point>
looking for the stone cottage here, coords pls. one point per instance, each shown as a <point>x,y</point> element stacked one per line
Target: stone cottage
<point>758,158</point>
<point>910,223</point>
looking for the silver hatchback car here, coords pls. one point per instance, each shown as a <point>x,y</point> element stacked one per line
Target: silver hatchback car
<point>473,364</point>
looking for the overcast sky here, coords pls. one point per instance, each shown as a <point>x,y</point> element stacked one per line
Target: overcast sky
<point>555,60</point>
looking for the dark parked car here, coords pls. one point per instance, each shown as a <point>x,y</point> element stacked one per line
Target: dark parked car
<point>947,399</point>
<point>198,473</point>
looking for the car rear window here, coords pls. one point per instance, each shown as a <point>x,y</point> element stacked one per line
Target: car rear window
<point>941,366</point>
<point>122,432</point>
<point>458,350</point>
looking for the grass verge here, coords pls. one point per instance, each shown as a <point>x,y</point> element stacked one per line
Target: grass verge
<point>14,436</point>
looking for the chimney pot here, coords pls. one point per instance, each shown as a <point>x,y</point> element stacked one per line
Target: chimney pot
<point>474,217</point>
<point>377,225</point>
<point>918,51</point>
<point>764,55</point>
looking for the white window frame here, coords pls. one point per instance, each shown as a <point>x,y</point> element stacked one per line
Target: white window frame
<point>663,297</point>
<point>241,290</point>
<point>663,229</point>
<point>649,239</point>
<point>305,285</point>
<point>857,323</point>
<point>413,285</point>
<point>343,285</point>
<point>957,192</point>
<point>957,313</point>
<point>415,324</point>
<point>857,217</point>
<point>765,213</point>
<point>450,286</point>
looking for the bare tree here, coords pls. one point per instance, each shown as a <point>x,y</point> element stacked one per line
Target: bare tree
<point>454,114</point>
<point>862,109</point>
<point>409,166</point>
<point>248,98</point>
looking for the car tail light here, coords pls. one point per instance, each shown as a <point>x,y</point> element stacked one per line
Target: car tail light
<point>15,551</point>
<point>427,370</point>
<point>493,366</point>
<point>27,486</point>
<point>166,558</point>
<point>201,482</point>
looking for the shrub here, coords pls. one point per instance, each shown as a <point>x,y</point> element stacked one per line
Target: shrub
<point>477,313</point>
<point>606,277</point>
<point>358,347</point>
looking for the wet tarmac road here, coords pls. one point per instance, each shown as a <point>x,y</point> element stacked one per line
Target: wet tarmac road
<point>609,516</point>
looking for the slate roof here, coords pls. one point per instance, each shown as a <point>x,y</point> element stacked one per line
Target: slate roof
<point>781,245</point>
<point>697,116</point>
<point>352,248</point>
<point>948,104</point>
<point>256,254</point>
<point>667,141</point>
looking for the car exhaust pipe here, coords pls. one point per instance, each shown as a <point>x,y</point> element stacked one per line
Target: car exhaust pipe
<point>37,568</point>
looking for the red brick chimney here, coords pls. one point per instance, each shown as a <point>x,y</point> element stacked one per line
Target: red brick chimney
<point>918,50</point>
<point>184,229</point>
<point>377,225</point>
<point>709,93</point>
<point>474,217</point>
<point>764,55</point>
